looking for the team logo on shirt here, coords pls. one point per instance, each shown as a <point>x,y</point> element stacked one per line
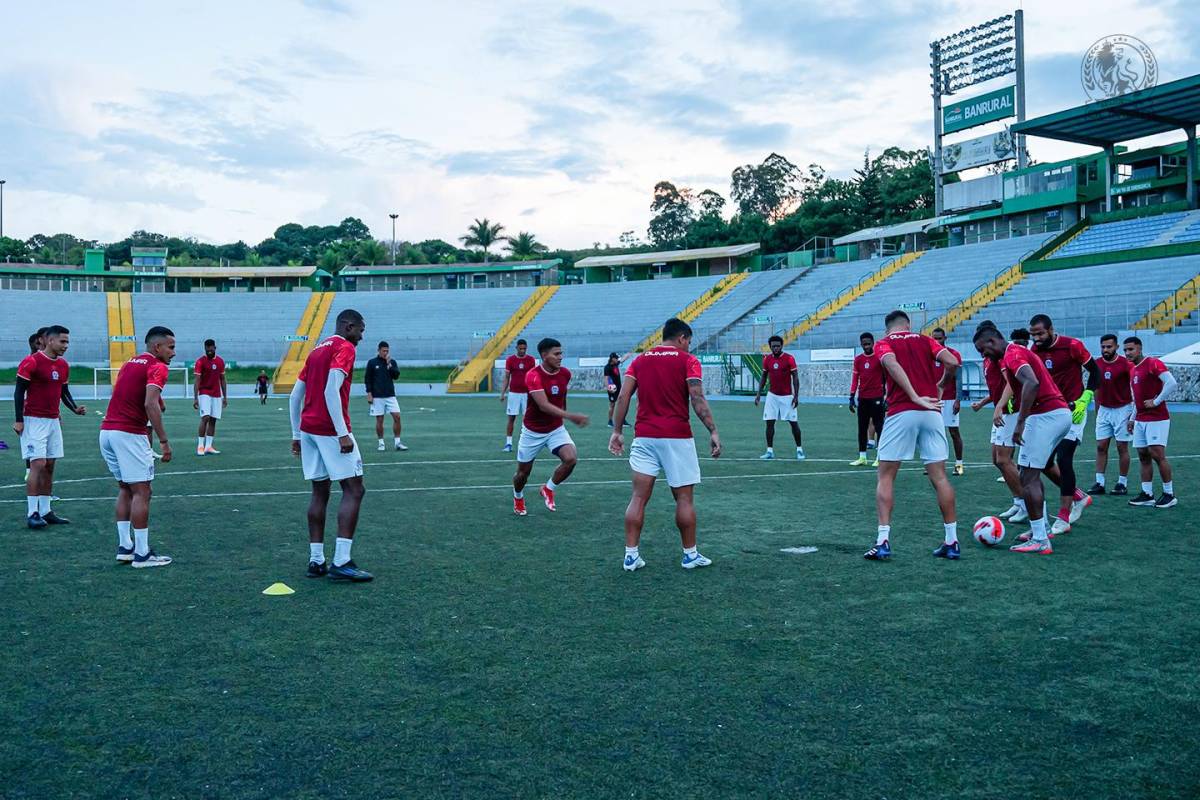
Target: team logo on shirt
<point>1135,378</point>
<point>553,390</point>
<point>775,365</point>
<point>1049,363</point>
<point>1107,375</point>
<point>54,375</point>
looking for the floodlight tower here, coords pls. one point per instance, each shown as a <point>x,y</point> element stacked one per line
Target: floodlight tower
<point>393,216</point>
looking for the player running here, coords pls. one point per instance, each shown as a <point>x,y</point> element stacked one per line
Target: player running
<point>914,423</point>
<point>867,382</point>
<point>1114,411</point>
<point>1042,423</point>
<point>1151,427</point>
<point>612,383</point>
<point>513,391</point>
<point>135,415</point>
<point>542,428</point>
<point>380,379</point>
<point>951,404</point>
<point>42,380</point>
<point>1066,359</point>
<point>210,396</point>
<point>319,407</point>
<point>779,370</point>
<point>665,378</point>
<point>1004,422</point>
<point>261,383</point>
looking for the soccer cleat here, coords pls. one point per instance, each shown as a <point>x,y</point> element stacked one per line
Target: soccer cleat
<point>1166,501</point>
<point>694,561</point>
<point>1077,507</point>
<point>349,572</point>
<point>200,450</point>
<point>54,519</point>
<point>1097,489</point>
<point>800,454</point>
<point>959,469</point>
<point>1034,547</point>
<point>124,554</point>
<point>35,521</point>
<point>1000,479</point>
<point>506,449</point>
<point>875,463</point>
<point>519,506</point>
<point>767,456</point>
<point>548,497</point>
<point>401,446</point>
<point>1142,499</point>
<point>211,451</point>
<point>632,562</point>
<point>1010,512</point>
<point>151,559</point>
<point>949,551</point>
<point>1021,516</point>
<point>1120,488</point>
<point>1060,526</point>
<point>316,570</point>
<point>861,461</point>
<point>880,552</point>
<point>381,446</point>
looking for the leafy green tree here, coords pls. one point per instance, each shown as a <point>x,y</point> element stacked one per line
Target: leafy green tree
<point>371,252</point>
<point>769,189</point>
<point>331,261</point>
<point>482,234</point>
<point>437,252</point>
<point>525,246</point>
<point>672,214</point>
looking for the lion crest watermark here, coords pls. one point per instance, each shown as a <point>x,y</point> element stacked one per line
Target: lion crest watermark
<point>1118,65</point>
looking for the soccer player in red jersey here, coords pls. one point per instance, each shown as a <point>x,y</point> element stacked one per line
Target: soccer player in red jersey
<point>42,380</point>
<point>665,378</point>
<point>1066,359</point>
<point>136,403</point>
<point>951,404</point>
<point>542,428</point>
<point>36,342</point>
<point>867,383</point>
<point>513,391</point>
<point>913,424</point>
<point>210,396</point>
<point>319,406</point>
<point>779,370</point>
<point>1004,420</point>
<point>1114,410</point>
<point>1042,423</point>
<point>1152,383</point>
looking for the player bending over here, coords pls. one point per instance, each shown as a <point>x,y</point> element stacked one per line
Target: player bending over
<point>779,370</point>
<point>1151,427</point>
<point>542,427</point>
<point>380,379</point>
<point>41,385</point>
<point>135,415</point>
<point>513,392</point>
<point>210,396</point>
<point>1004,420</point>
<point>1114,412</point>
<point>913,425</point>
<point>867,383</point>
<point>319,407</point>
<point>665,378</point>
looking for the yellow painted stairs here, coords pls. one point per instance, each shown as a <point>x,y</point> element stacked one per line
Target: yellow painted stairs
<point>121,340</point>
<point>472,376</point>
<point>983,295</point>
<point>1173,310</point>
<point>697,307</point>
<point>307,333</point>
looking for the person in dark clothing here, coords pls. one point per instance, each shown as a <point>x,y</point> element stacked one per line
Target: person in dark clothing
<point>868,385</point>
<point>612,382</point>
<point>260,385</point>
<point>379,377</point>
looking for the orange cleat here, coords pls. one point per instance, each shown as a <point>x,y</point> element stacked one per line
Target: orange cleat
<point>519,506</point>
<point>200,450</point>
<point>548,496</point>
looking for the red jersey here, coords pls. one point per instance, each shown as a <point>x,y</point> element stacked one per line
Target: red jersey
<point>949,390</point>
<point>554,384</point>
<point>993,376</point>
<point>1064,359</point>
<point>46,378</point>
<point>916,354</point>
<point>1048,395</point>
<point>1114,390</point>
<point>208,375</point>
<point>662,374</point>
<point>333,353</point>
<point>127,406</point>
<point>867,377</point>
<point>518,367</point>
<point>779,372</point>
<point>1147,383</point>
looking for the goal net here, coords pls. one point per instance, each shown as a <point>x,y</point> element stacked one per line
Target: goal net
<point>177,382</point>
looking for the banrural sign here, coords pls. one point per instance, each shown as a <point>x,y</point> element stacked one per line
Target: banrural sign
<point>978,110</point>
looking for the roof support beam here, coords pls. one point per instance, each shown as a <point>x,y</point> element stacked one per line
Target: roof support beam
<point>1146,115</point>
<point>1191,165</point>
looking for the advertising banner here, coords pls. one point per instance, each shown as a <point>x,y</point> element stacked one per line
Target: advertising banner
<point>980,109</point>
<point>977,152</point>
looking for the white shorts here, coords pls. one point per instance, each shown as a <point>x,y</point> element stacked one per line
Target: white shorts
<point>1043,433</point>
<point>128,456</point>
<point>1154,433</point>
<point>779,406</point>
<point>1002,437</point>
<point>1075,434</point>
<point>210,406</point>
<point>949,418</point>
<point>384,405</point>
<point>911,432</point>
<point>322,459</point>
<point>532,442</point>
<point>675,458</point>
<point>1111,423</point>
<point>42,438</point>
<point>516,403</point>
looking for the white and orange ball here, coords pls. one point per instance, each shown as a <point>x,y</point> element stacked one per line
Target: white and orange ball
<point>989,531</point>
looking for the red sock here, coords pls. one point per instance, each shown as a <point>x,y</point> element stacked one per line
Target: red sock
<point>1079,495</point>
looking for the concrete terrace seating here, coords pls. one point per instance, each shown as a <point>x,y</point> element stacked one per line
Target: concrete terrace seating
<point>84,313</point>
<point>1123,235</point>
<point>1190,233</point>
<point>939,278</point>
<point>249,327</point>
<point>599,318</point>
<point>739,301</point>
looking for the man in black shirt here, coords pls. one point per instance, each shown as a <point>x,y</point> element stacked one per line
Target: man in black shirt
<point>612,380</point>
<point>260,385</point>
<point>379,378</point>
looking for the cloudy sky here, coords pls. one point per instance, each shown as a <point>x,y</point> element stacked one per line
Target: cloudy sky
<point>222,120</point>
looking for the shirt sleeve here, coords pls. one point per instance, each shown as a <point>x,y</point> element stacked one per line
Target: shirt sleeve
<point>792,363</point>
<point>220,366</point>
<point>198,367</point>
<point>157,375</point>
<point>694,370</point>
<point>854,376</point>
<point>508,364</point>
<point>533,381</point>
<point>882,348</point>
<point>66,373</point>
<point>1080,352</point>
<point>1157,367</point>
<point>25,368</point>
<point>344,359</point>
<point>935,349</point>
<point>630,371</point>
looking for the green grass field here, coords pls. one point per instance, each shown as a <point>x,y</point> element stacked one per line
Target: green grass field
<point>502,657</point>
<point>82,377</point>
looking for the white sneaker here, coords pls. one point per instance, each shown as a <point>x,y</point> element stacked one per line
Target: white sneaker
<point>1077,507</point>
<point>633,562</point>
<point>1000,479</point>
<point>799,453</point>
<point>1010,513</point>
<point>1021,516</point>
<point>401,446</point>
<point>382,446</point>
<point>1059,526</point>
<point>691,562</point>
<point>768,456</point>
<point>151,559</point>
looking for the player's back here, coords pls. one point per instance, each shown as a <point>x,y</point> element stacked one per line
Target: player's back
<point>662,374</point>
<point>334,353</point>
<point>127,406</point>
<point>916,354</point>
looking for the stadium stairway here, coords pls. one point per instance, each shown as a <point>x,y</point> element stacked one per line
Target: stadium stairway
<point>472,376</point>
<point>694,309</point>
<point>121,342</point>
<point>987,293</point>
<point>308,332</point>
<point>1173,310</point>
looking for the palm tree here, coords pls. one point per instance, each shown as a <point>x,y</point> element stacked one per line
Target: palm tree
<point>371,252</point>
<point>525,246</point>
<point>482,233</point>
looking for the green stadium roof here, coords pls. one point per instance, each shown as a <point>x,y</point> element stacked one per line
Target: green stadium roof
<point>1158,109</point>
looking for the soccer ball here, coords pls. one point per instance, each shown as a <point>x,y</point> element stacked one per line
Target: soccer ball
<point>989,531</point>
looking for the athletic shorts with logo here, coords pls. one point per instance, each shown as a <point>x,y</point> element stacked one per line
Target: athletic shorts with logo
<point>210,406</point>
<point>779,406</point>
<point>516,403</point>
<point>128,456</point>
<point>532,442</point>
<point>674,458</point>
<point>1002,437</point>
<point>1153,433</point>
<point>1113,423</point>
<point>1043,433</point>
<point>949,418</point>
<point>42,438</point>
<point>322,459</point>
<point>1075,434</point>
<point>381,406</point>
<point>913,432</point>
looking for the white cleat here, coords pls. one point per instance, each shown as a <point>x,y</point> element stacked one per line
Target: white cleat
<point>381,447</point>
<point>691,562</point>
<point>1077,507</point>
<point>1012,511</point>
<point>768,456</point>
<point>800,454</point>
<point>632,562</point>
<point>1021,516</point>
<point>401,446</point>
<point>151,559</point>
<point>1060,526</point>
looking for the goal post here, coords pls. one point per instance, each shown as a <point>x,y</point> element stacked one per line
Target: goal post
<point>177,381</point>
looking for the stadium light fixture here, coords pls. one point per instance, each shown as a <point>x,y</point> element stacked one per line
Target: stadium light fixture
<point>393,216</point>
<point>2,208</point>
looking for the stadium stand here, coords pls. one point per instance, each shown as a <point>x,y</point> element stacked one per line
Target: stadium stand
<point>1133,233</point>
<point>1189,232</point>
<point>756,289</point>
<point>85,313</point>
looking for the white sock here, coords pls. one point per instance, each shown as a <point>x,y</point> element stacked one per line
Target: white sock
<point>44,504</point>
<point>1100,478</point>
<point>508,440</point>
<point>862,454</point>
<point>551,485</point>
<point>689,551</point>
<point>395,440</point>
<point>1020,501</point>
<point>770,449</point>
<point>141,541</point>
<point>207,442</point>
<point>1039,529</point>
<point>870,443</point>
<point>1122,480</point>
<point>316,552</point>
<point>199,441</point>
<point>124,537</point>
<point>958,462</point>
<point>31,505</point>
<point>1148,487</point>
<point>341,551</point>
<point>951,532</point>
<point>631,551</point>
<point>1168,487</point>
<point>519,495</point>
<point>381,442</point>
<point>884,532</point>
